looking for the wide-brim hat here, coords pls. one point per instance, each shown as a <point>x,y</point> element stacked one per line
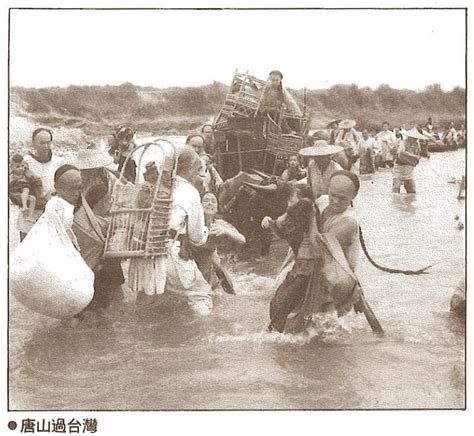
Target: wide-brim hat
<point>413,133</point>
<point>347,124</point>
<point>320,148</point>
<point>92,158</point>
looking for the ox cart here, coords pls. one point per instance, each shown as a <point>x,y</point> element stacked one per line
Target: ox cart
<point>247,138</point>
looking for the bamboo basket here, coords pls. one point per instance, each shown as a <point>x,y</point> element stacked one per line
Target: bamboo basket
<point>243,99</point>
<point>281,144</point>
<point>142,230</point>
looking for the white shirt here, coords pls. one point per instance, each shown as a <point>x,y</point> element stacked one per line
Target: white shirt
<point>367,144</point>
<point>386,141</point>
<point>351,137</point>
<point>319,181</point>
<point>44,171</point>
<point>187,214</point>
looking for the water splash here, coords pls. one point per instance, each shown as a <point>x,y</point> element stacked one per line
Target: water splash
<point>322,327</point>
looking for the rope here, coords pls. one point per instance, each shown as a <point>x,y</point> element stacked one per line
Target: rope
<point>389,270</point>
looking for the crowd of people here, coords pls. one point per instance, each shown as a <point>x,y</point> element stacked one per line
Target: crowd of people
<point>397,149</point>
<point>320,225</point>
<point>84,184</point>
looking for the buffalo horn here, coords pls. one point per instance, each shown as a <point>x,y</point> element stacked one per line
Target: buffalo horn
<point>259,188</point>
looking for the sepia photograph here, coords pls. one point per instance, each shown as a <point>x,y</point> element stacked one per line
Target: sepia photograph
<point>235,210</point>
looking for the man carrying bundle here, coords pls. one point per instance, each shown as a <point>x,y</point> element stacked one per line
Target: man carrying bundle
<point>89,233</point>
<point>320,276</point>
<point>407,158</point>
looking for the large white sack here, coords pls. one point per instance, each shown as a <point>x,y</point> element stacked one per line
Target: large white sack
<point>47,273</point>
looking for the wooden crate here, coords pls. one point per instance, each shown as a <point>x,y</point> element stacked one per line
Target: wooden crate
<point>242,100</point>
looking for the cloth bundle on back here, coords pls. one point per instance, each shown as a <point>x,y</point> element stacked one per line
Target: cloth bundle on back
<point>47,272</point>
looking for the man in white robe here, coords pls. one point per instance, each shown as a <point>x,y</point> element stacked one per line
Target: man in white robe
<point>183,277</point>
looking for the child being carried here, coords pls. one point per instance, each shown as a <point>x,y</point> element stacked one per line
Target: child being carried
<point>25,190</point>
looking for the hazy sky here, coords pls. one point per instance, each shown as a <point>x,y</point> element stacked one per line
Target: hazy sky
<point>313,48</point>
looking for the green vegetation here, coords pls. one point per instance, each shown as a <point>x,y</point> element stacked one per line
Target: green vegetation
<point>97,109</point>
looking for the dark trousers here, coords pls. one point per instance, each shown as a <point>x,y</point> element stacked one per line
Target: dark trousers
<point>106,284</point>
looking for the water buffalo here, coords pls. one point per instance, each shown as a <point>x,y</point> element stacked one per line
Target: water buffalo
<point>248,197</point>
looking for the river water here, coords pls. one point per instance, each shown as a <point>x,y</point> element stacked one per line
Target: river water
<point>158,358</point>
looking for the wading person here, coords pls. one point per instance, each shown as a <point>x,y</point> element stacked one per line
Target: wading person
<point>407,158</point>
<point>187,226</point>
<point>90,226</point>
<point>320,166</point>
<point>205,255</point>
<point>88,234</point>
<point>97,180</point>
<point>366,148</point>
<point>293,278</point>
<point>387,145</point>
<point>42,164</point>
<point>306,286</point>
<point>67,183</point>
<point>348,138</point>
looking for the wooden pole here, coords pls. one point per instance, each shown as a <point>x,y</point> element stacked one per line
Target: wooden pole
<point>370,315</point>
<point>239,152</point>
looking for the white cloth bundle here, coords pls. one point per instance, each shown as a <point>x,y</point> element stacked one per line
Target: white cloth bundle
<point>47,272</point>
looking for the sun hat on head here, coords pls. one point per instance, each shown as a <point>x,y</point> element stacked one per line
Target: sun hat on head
<point>92,158</point>
<point>347,124</point>
<point>320,148</point>
<point>413,133</point>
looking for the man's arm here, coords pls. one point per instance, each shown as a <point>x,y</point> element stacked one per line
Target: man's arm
<point>196,228</point>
